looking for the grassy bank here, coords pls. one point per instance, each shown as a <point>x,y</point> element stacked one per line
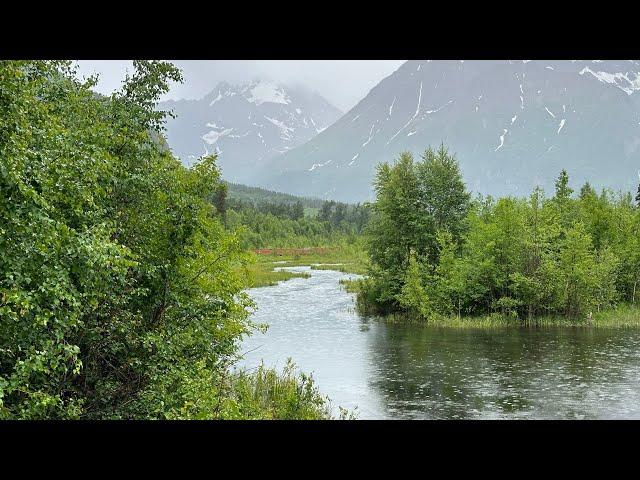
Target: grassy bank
<point>267,394</point>
<point>624,316</point>
<point>344,258</point>
<point>262,274</point>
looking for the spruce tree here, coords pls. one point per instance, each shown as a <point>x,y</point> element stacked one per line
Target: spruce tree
<point>587,191</point>
<point>563,191</point>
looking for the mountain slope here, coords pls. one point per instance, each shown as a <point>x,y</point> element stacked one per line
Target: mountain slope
<point>246,124</point>
<point>512,125</point>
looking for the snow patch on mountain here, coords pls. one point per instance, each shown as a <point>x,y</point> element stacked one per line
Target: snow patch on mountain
<point>284,129</point>
<point>251,123</point>
<point>218,98</point>
<point>428,112</point>
<point>370,135</point>
<point>267,92</point>
<point>561,125</point>
<point>501,140</point>
<point>412,118</point>
<point>212,136</point>
<point>620,80</point>
<point>318,165</point>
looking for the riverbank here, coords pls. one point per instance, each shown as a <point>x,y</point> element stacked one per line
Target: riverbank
<point>341,260</point>
<point>263,274</point>
<point>344,258</point>
<point>622,316</point>
<point>625,316</point>
<point>421,371</point>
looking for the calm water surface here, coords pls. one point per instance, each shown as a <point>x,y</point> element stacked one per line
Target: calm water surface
<point>402,371</point>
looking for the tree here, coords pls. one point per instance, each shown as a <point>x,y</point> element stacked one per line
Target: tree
<point>120,289</point>
<point>297,211</point>
<point>604,278</point>
<point>576,264</point>
<point>339,214</point>
<point>391,232</point>
<point>523,258</point>
<point>586,191</point>
<point>563,191</point>
<point>220,199</point>
<point>413,296</point>
<point>414,201</point>
<point>638,197</point>
<point>326,210</point>
<point>562,200</point>
<point>442,202</point>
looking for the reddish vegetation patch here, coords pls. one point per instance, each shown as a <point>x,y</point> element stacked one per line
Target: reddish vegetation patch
<point>294,251</point>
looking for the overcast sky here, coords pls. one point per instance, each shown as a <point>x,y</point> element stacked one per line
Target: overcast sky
<point>343,82</point>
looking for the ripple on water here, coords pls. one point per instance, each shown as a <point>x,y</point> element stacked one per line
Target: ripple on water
<point>408,371</point>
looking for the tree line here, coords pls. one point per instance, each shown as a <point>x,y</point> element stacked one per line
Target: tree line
<point>435,251</point>
<point>267,224</point>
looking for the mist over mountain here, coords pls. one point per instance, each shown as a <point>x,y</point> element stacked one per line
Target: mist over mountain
<point>512,125</point>
<point>246,124</point>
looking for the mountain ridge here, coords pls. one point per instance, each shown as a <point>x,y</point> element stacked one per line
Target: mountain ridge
<point>246,124</point>
<point>512,124</point>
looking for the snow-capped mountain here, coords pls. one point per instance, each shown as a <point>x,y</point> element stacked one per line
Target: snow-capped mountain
<point>512,125</point>
<point>246,124</point>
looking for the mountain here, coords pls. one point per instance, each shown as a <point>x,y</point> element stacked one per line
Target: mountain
<point>246,124</point>
<point>512,125</point>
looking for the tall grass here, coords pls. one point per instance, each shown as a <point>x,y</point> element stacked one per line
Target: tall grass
<point>345,258</point>
<point>349,258</point>
<point>623,316</point>
<point>268,394</point>
<point>263,275</point>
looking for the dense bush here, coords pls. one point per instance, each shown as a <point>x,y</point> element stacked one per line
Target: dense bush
<point>270,225</point>
<point>435,252</point>
<point>118,291</point>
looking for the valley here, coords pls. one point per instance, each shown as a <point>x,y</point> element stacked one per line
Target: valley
<point>462,243</point>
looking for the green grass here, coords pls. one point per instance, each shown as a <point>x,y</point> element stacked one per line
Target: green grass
<point>344,258</point>
<point>351,286</point>
<point>270,395</point>
<point>623,316</point>
<point>262,275</point>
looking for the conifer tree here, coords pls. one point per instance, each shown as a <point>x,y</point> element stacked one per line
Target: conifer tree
<point>563,191</point>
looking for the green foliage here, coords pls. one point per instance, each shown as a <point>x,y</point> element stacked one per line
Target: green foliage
<point>268,394</point>
<point>256,195</point>
<point>516,258</point>
<point>563,191</point>
<point>413,296</point>
<point>274,225</point>
<point>119,288</point>
<point>414,201</point>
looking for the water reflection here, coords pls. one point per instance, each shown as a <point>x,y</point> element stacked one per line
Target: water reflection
<point>403,371</point>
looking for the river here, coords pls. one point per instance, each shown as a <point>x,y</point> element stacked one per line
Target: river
<point>417,372</point>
